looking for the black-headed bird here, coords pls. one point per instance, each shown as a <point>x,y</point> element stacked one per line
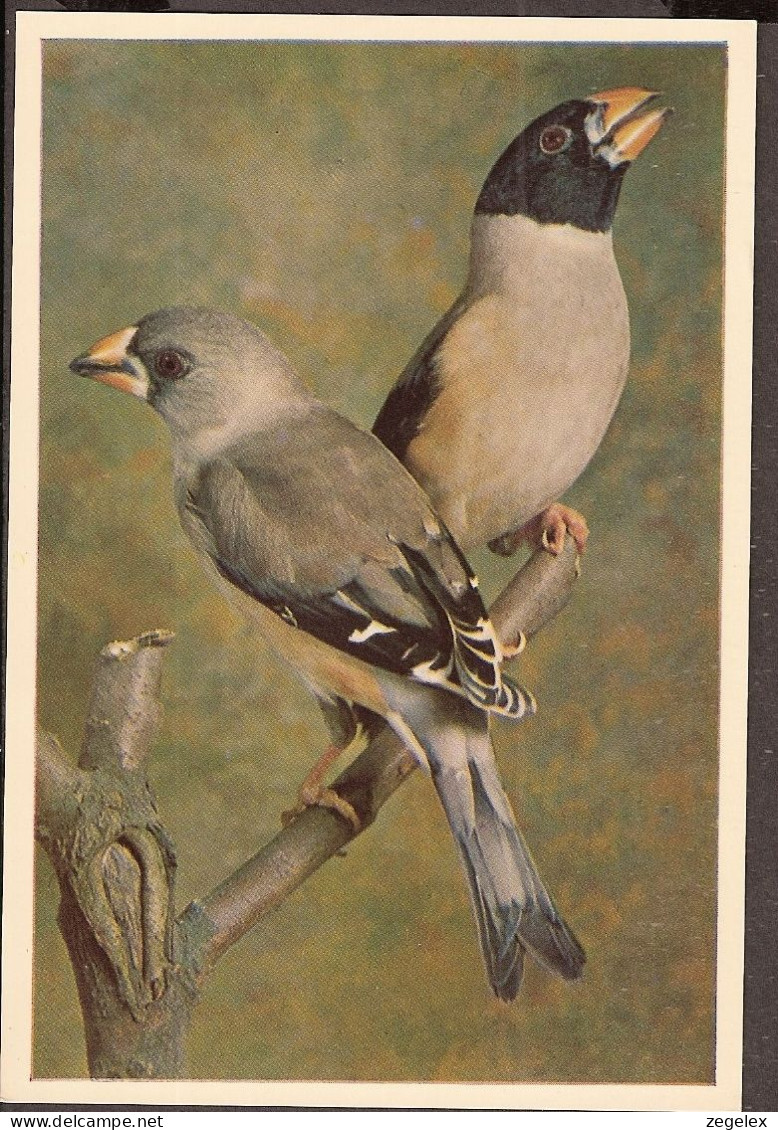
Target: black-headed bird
<point>508,398</point>
<point>332,550</point>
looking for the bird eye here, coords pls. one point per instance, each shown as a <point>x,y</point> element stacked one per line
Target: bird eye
<point>170,365</point>
<point>554,139</point>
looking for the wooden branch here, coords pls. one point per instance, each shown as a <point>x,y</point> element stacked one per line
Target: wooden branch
<point>115,866</point>
<point>124,712</point>
<point>138,970</point>
<point>57,786</point>
<point>535,595</point>
<point>299,849</point>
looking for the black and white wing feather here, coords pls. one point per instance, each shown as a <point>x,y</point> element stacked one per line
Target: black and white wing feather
<point>392,590</point>
<point>476,652</point>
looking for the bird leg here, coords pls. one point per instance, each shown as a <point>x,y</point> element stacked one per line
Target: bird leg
<point>547,529</point>
<point>313,793</point>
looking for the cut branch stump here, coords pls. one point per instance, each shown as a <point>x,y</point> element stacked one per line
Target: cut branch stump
<point>138,968</point>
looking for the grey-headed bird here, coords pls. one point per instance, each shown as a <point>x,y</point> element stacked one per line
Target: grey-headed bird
<point>508,398</point>
<point>333,551</point>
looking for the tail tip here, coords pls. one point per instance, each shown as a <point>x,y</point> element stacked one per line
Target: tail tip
<point>569,968</point>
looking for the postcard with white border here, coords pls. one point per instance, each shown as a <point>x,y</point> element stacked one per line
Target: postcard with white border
<point>419,318</point>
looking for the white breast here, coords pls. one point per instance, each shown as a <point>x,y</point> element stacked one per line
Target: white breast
<point>531,374</point>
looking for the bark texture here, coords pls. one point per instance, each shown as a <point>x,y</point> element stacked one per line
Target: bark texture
<point>138,968</point>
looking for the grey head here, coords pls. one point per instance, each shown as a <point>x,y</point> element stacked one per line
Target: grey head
<point>210,375</point>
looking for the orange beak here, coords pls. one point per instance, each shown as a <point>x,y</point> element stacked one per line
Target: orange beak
<point>627,122</point>
<point>108,361</point>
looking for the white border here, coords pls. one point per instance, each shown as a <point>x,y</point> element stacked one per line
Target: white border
<point>15,1070</point>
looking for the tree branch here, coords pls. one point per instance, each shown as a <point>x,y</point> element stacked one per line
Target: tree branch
<point>125,714</point>
<point>115,866</point>
<point>137,969</point>
<point>535,595</point>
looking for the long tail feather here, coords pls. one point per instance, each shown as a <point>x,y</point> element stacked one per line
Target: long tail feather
<point>513,910</point>
<point>517,906</point>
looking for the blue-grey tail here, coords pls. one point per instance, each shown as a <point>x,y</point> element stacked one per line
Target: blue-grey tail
<point>513,910</point>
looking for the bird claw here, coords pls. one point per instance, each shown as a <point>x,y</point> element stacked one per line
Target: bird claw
<point>547,530</point>
<point>510,651</point>
<point>314,794</point>
<point>556,522</point>
<point>323,798</point>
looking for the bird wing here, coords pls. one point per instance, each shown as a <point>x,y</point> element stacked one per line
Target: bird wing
<point>417,388</point>
<point>326,529</point>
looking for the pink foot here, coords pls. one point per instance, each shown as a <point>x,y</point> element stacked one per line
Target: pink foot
<point>548,529</point>
<point>313,793</point>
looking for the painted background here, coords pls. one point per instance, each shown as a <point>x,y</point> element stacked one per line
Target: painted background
<point>325,193</point>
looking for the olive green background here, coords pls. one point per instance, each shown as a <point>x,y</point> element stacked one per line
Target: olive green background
<point>324,191</point>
